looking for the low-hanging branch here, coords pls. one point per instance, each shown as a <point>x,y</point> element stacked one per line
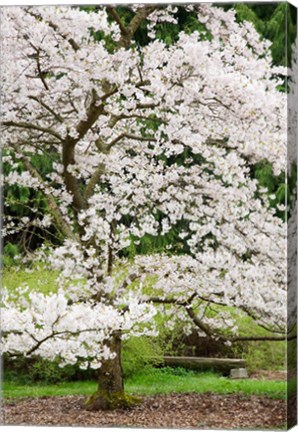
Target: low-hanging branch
<point>198,323</point>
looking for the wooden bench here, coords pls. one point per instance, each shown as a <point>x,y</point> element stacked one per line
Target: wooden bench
<point>223,365</point>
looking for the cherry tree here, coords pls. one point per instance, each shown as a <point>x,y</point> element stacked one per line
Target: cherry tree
<point>143,139</point>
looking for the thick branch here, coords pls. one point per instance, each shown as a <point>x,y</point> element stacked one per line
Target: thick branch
<point>139,17</point>
<point>208,331</point>
<point>197,321</point>
<point>71,182</point>
<point>127,33</point>
<point>257,338</point>
<point>93,112</point>
<point>68,154</point>
<point>114,14</point>
<point>98,173</point>
<point>31,126</point>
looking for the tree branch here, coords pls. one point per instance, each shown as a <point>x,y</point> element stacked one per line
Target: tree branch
<point>139,17</point>
<point>128,33</point>
<point>68,153</point>
<point>71,41</point>
<point>50,336</point>
<point>96,176</point>
<point>32,126</point>
<point>130,136</point>
<point>53,207</point>
<point>114,14</point>
<point>71,182</point>
<point>44,105</point>
<point>186,304</point>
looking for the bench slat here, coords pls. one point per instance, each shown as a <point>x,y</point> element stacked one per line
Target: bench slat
<point>202,363</point>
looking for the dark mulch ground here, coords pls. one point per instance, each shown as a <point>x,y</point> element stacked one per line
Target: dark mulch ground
<point>166,411</point>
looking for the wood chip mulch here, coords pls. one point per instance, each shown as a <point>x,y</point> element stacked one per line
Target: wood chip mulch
<point>199,411</point>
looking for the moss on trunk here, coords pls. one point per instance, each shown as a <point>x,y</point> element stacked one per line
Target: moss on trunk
<point>104,400</point>
<point>110,393</point>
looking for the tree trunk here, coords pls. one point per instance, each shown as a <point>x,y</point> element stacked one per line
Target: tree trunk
<point>110,392</point>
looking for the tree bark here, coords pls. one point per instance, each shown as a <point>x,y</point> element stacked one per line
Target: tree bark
<point>110,393</point>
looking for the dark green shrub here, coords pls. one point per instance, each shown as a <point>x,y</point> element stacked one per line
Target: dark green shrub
<point>29,370</point>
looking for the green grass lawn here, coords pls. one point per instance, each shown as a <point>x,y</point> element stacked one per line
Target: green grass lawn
<point>37,279</point>
<point>155,381</point>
